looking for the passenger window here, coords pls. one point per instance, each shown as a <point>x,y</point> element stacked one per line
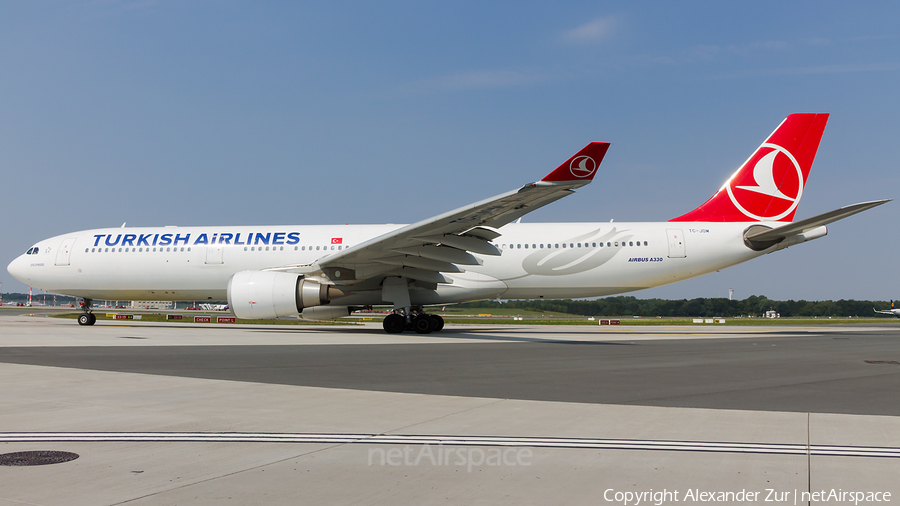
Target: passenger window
<point>630,243</point>
<point>601,244</point>
<point>245,248</point>
<point>526,246</point>
<point>564,245</point>
<point>645,243</point>
<point>617,244</point>
<point>542,246</point>
<point>557,246</point>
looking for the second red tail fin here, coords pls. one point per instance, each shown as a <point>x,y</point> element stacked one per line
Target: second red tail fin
<point>768,186</point>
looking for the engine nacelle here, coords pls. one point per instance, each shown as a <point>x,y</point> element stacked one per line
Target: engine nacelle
<point>268,294</point>
<point>325,312</point>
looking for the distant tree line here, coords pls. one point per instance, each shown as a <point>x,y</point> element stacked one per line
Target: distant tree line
<point>38,297</point>
<point>754,305</point>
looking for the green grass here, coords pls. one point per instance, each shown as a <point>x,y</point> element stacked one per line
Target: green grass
<point>450,311</point>
<point>628,321</point>
<point>535,318</point>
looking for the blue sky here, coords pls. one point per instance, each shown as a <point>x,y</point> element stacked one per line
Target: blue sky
<point>219,112</point>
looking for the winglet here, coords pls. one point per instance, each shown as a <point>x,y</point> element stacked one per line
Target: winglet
<point>581,167</point>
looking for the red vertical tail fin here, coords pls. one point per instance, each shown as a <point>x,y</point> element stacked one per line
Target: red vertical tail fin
<point>768,186</point>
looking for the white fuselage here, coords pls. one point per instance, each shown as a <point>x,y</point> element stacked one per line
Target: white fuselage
<point>538,260</point>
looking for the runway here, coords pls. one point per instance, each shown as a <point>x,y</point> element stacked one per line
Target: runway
<point>165,414</point>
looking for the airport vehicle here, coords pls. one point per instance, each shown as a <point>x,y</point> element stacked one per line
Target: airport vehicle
<point>478,251</point>
<point>892,311</point>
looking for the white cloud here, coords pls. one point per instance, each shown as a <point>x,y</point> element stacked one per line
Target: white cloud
<point>592,31</point>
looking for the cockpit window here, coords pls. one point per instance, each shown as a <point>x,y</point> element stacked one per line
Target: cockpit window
<point>32,251</point>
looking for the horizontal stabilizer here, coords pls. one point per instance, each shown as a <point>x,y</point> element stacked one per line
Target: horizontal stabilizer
<point>761,234</point>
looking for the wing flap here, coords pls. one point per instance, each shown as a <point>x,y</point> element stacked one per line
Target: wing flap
<point>444,253</point>
<point>421,263</point>
<point>463,242</point>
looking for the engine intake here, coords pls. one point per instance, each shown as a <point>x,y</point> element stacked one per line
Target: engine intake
<point>268,294</point>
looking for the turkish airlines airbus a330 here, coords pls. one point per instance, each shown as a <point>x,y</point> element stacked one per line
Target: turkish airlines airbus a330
<point>474,252</point>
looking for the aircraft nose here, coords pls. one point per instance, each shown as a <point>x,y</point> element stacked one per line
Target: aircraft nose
<point>16,269</point>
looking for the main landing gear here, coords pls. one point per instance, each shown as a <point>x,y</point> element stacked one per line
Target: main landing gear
<point>422,323</point>
<point>395,289</point>
<point>87,317</point>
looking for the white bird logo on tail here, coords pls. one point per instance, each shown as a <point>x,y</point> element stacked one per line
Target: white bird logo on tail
<point>582,166</point>
<point>764,176</point>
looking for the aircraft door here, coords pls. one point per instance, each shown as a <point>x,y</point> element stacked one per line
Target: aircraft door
<point>676,242</point>
<point>214,254</point>
<point>65,251</point>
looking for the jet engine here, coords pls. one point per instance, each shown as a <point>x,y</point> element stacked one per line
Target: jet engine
<point>268,294</point>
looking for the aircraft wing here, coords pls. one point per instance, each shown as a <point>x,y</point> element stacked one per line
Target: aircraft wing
<point>445,242</point>
<point>762,235</point>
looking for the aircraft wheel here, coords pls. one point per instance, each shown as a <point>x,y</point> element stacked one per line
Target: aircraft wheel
<point>394,324</point>
<point>86,319</point>
<point>93,318</point>
<point>423,324</point>
<point>438,323</point>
